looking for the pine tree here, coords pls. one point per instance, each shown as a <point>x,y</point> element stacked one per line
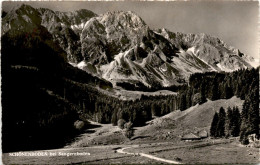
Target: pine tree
<point>236,122</point>
<point>188,98</point>
<point>202,94</point>
<point>228,93</point>
<point>228,122</point>
<point>96,106</point>
<point>213,127</point>
<point>214,90</point>
<point>237,91</point>
<point>243,137</point>
<point>121,114</point>
<point>146,113</point>
<point>163,109</point>
<point>245,107</point>
<point>183,102</point>
<point>221,123</point>
<point>153,110</point>
<point>250,113</point>
<point>243,92</point>
<point>253,112</point>
<point>114,118</point>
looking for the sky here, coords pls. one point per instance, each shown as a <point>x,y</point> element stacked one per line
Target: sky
<point>234,22</point>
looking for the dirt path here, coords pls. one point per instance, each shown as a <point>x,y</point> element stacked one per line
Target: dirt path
<point>146,155</point>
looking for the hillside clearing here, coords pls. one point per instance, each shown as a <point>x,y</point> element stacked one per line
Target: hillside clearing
<point>177,123</point>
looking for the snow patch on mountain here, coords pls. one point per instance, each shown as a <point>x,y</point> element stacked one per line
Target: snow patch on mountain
<point>223,68</point>
<point>81,65</point>
<point>193,50</point>
<point>73,64</point>
<point>120,56</point>
<point>78,27</point>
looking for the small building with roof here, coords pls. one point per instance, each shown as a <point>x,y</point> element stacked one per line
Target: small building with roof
<point>203,134</point>
<point>190,136</point>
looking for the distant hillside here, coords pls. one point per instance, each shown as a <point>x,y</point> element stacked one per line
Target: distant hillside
<point>35,81</point>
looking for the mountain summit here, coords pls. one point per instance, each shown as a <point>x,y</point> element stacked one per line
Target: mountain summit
<point>120,47</point>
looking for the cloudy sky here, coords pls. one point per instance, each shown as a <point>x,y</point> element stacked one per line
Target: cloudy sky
<point>234,22</point>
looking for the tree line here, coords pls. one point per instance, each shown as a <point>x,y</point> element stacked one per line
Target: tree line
<point>232,123</point>
<point>214,86</point>
<point>103,108</point>
<point>226,124</point>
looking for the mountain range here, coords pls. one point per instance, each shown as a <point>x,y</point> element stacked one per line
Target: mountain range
<point>121,48</point>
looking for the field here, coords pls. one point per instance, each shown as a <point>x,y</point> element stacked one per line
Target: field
<point>200,152</point>
<point>227,153</point>
<point>94,154</point>
<point>220,151</point>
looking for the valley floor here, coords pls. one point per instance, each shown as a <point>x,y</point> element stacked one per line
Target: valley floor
<point>223,151</point>
<point>157,142</point>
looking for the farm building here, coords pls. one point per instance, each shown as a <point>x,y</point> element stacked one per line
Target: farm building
<point>203,134</point>
<point>190,136</point>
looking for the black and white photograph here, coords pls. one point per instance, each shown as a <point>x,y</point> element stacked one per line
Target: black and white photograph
<point>130,82</point>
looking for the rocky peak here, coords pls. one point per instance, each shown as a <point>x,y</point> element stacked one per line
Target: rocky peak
<point>120,24</point>
<point>121,18</point>
<point>108,34</point>
<point>75,17</point>
<point>23,18</point>
<point>24,9</point>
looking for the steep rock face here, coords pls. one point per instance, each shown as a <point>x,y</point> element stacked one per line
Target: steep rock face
<point>117,44</point>
<point>107,35</point>
<point>60,25</point>
<point>120,47</point>
<point>211,50</point>
<point>23,19</point>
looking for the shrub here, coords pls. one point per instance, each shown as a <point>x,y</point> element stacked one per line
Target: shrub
<point>121,123</point>
<point>177,158</point>
<point>128,125</point>
<point>128,131</point>
<point>256,144</point>
<point>196,99</point>
<point>79,124</point>
<point>244,138</point>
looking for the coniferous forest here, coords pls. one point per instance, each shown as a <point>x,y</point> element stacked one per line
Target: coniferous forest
<point>226,123</point>
<point>233,123</point>
<point>243,84</point>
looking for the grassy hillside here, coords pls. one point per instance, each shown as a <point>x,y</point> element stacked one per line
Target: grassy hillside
<point>177,123</point>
